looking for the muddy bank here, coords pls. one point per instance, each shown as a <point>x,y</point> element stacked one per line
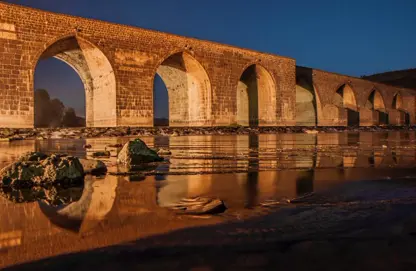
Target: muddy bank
<point>45,133</point>
<point>370,232</point>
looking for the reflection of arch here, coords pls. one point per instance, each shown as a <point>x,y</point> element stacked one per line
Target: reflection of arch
<point>189,90</point>
<point>83,215</point>
<point>306,103</point>
<point>256,97</point>
<point>95,71</point>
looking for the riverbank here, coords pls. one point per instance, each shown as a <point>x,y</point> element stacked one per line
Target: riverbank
<point>360,226</point>
<point>7,134</point>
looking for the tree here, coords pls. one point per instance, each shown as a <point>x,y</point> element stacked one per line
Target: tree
<point>70,118</point>
<point>42,108</point>
<point>57,109</point>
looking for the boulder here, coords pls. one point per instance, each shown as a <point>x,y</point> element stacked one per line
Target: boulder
<point>95,167</point>
<point>136,152</point>
<point>40,169</point>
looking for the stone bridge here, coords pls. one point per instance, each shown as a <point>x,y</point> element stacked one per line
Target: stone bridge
<point>208,84</point>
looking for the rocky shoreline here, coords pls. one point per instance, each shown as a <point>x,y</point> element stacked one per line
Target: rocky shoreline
<point>9,134</point>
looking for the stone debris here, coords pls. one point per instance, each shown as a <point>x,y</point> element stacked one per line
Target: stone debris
<point>94,132</point>
<point>163,151</point>
<point>198,206</point>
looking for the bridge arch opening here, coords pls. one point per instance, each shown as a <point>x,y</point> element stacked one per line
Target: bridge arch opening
<point>375,102</point>
<point>256,97</point>
<point>306,103</point>
<point>96,74</point>
<point>398,105</point>
<point>345,98</point>
<point>188,91</point>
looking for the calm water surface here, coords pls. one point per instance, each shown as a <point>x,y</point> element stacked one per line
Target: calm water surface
<point>242,170</point>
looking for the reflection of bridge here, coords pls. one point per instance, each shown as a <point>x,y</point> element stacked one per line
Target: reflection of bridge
<point>209,84</point>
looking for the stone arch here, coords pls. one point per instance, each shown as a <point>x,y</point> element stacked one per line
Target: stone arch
<point>95,71</point>
<point>307,103</point>
<point>376,103</point>
<point>189,90</point>
<point>403,115</point>
<point>397,102</point>
<point>345,98</point>
<point>256,97</point>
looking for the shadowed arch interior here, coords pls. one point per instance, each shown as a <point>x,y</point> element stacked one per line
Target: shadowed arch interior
<point>375,102</point>
<point>398,105</point>
<point>189,90</point>
<point>256,97</point>
<point>345,98</point>
<point>96,74</point>
<point>306,111</point>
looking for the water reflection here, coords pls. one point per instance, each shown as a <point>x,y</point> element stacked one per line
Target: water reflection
<point>242,170</point>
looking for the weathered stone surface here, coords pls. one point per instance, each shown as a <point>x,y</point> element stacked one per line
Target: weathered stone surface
<point>95,167</point>
<point>40,169</point>
<point>136,152</point>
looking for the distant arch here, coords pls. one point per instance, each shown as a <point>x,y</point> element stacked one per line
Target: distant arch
<point>397,101</point>
<point>345,98</point>
<point>404,117</point>
<point>376,103</point>
<point>256,97</point>
<point>189,90</point>
<point>95,71</point>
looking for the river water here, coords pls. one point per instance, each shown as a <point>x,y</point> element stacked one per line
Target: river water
<point>244,171</point>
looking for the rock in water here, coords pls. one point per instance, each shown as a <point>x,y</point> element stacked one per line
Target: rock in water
<point>95,167</point>
<point>40,169</point>
<point>199,206</point>
<point>101,154</point>
<point>136,152</point>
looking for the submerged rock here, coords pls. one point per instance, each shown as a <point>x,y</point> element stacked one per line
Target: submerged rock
<point>95,167</point>
<point>136,152</point>
<point>101,154</point>
<point>40,169</point>
<point>163,151</point>
<point>198,206</point>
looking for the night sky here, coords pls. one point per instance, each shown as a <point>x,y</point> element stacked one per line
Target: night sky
<point>345,36</point>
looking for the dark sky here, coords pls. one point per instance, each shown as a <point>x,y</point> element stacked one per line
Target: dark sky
<point>353,37</point>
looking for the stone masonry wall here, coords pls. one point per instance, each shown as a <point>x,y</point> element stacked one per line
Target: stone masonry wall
<point>134,55</point>
<point>325,85</point>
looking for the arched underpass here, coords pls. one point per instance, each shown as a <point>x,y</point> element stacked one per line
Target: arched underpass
<point>189,90</point>
<point>96,73</point>
<point>345,98</point>
<point>256,97</point>
<point>375,102</point>
<point>398,105</point>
